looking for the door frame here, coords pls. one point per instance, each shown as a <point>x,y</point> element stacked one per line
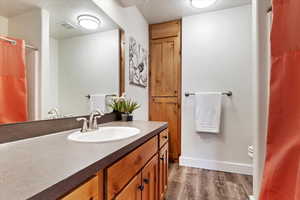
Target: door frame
<point>121,62</point>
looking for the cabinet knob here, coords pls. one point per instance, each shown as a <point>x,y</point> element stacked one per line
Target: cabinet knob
<point>141,187</point>
<point>162,158</point>
<point>165,137</point>
<point>146,180</point>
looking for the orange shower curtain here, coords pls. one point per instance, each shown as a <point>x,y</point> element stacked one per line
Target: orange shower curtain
<point>13,88</point>
<point>281,180</point>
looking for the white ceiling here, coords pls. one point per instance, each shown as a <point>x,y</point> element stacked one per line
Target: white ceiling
<point>156,11</point>
<point>60,11</point>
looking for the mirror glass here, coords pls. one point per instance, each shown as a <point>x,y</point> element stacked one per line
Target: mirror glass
<point>59,58</point>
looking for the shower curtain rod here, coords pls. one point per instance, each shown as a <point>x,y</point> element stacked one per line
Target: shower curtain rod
<point>13,42</point>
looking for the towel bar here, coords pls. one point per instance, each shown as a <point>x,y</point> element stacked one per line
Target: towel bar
<point>227,93</point>
<point>111,95</point>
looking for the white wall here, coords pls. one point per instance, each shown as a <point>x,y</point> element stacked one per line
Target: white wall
<point>52,71</point>
<point>87,65</point>
<point>3,26</point>
<point>216,56</point>
<point>45,61</point>
<point>135,25</point>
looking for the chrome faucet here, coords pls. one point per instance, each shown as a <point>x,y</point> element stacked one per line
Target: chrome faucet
<point>93,124</point>
<point>84,128</point>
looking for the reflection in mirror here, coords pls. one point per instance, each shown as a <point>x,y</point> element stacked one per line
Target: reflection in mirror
<point>60,58</point>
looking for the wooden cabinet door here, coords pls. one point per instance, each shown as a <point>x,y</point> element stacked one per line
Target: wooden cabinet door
<point>164,30</point>
<point>163,171</point>
<point>168,109</point>
<point>120,173</point>
<point>165,67</point>
<point>87,191</point>
<point>150,180</point>
<point>165,80</point>
<point>133,190</point>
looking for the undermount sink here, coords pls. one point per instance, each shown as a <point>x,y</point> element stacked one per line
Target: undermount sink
<point>104,134</point>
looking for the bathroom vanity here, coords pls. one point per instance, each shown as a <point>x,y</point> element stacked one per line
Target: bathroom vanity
<point>54,167</point>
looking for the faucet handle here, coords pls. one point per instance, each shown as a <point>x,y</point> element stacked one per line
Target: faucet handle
<point>53,111</point>
<point>95,123</point>
<point>84,128</point>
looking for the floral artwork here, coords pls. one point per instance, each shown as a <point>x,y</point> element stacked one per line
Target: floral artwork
<point>138,64</point>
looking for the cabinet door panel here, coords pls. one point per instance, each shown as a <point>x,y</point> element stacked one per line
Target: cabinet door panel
<point>132,191</point>
<point>167,109</point>
<point>120,173</point>
<point>87,191</point>
<point>163,171</point>
<point>156,68</point>
<point>165,67</point>
<point>165,87</point>
<point>163,30</point>
<point>150,180</point>
<point>170,68</point>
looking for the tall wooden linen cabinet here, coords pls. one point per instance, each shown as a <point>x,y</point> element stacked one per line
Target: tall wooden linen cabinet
<point>165,80</point>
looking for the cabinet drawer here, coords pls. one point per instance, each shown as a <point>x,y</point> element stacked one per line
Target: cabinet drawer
<point>120,173</point>
<point>87,191</point>
<point>163,138</point>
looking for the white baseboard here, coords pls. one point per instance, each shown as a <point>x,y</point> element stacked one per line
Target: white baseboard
<point>239,168</point>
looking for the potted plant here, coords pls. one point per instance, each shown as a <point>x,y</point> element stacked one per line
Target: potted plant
<point>117,105</point>
<point>129,107</point>
<point>124,107</point>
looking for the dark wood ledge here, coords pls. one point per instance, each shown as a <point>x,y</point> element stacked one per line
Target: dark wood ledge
<point>19,131</point>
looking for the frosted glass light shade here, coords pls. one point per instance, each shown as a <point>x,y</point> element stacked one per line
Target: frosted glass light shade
<point>88,22</point>
<point>202,3</point>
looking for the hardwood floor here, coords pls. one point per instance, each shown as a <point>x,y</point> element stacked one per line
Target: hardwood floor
<point>199,184</point>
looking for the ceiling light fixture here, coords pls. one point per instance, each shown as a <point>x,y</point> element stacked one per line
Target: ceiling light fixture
<point>202,3</point>
<point>88,22</point>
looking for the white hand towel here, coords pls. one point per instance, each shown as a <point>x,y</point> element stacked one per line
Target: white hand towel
<point>108,101</point>
<point>98,101</point>
<point>208,108</point>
